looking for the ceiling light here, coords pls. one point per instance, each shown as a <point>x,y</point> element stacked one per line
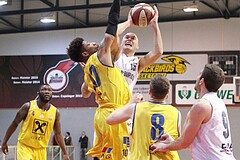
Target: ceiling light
<point>3,3</point>
<point>48,20</point>
<point>190,8</point>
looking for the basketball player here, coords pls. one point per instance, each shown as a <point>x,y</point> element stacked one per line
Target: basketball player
<point>125,60</point>
<point>129,64</point>
<point>207,128</point>
<point>151,119</point>
<point>39,118</point>
<point>104,79</point>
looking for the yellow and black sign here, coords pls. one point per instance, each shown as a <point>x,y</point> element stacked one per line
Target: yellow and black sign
<point>39,126</point>
<point>177,65</point>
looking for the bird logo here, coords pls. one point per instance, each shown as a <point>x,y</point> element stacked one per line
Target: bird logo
<point>176,65</point>
<point>180,63</point>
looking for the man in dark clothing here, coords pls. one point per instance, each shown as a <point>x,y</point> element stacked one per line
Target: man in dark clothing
<point>68,143</point>
<point>83,140</point>
<point>68,139</point>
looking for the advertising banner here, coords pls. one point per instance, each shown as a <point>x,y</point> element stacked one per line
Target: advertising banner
<point>21,77</point>
<point>185,94</point>
<point>176,67</point>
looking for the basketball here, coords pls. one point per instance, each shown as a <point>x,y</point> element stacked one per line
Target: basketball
<point>142,14</point>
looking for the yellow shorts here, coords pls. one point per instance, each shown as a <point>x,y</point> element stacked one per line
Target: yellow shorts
<point>28,153</point>
<point>111,142</point>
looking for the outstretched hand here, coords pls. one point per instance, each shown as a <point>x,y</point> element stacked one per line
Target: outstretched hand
<point>130,18</point>
<point>137,98</point>
<point>158,147</point>
<point>166,138</point>
<point>155,17</point>
<point>161,144</point>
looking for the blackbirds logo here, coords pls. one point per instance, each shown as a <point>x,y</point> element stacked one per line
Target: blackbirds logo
<point>177,65</point>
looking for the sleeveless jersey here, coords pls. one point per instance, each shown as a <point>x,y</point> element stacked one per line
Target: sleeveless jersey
<point>213,140</point>
<point>151,120</point>
<point>111,92</point>
<point>108,84</point>
<point>36,129</point>
<point>129,69</point>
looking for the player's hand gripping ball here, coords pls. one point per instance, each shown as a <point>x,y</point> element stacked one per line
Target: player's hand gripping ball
<point>142,14</point>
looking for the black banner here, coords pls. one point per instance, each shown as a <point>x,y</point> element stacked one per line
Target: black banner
<point>21,77</point>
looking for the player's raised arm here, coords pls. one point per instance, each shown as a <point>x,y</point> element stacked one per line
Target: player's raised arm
<point>157,51</point>
<point>105,51</point>
<point>115,49</point>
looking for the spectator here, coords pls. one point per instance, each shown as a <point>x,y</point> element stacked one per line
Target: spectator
<point>68,143</point>
<point>83,140</point>
<point>68,139</point>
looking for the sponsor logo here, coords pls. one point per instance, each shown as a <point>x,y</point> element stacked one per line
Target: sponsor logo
<point>184,93</point>
<point>106,153</point>
<point>57,76</point>
<point>176,65</point>
<point>39,127</point>
<point>227,148</point>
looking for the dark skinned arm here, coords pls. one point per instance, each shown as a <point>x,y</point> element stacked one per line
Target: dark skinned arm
<point>59,137</point>
<point>21,115</point>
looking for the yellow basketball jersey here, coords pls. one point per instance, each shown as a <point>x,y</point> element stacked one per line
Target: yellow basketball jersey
<point>36,129</point>
<point>150,121</point>
<point>108,84</point>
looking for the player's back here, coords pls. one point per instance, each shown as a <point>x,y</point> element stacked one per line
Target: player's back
<point>213,140</point>
<point>108,84</point>
<point>151,120</point>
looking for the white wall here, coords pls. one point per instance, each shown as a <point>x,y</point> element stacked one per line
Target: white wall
<point>204,35</point>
